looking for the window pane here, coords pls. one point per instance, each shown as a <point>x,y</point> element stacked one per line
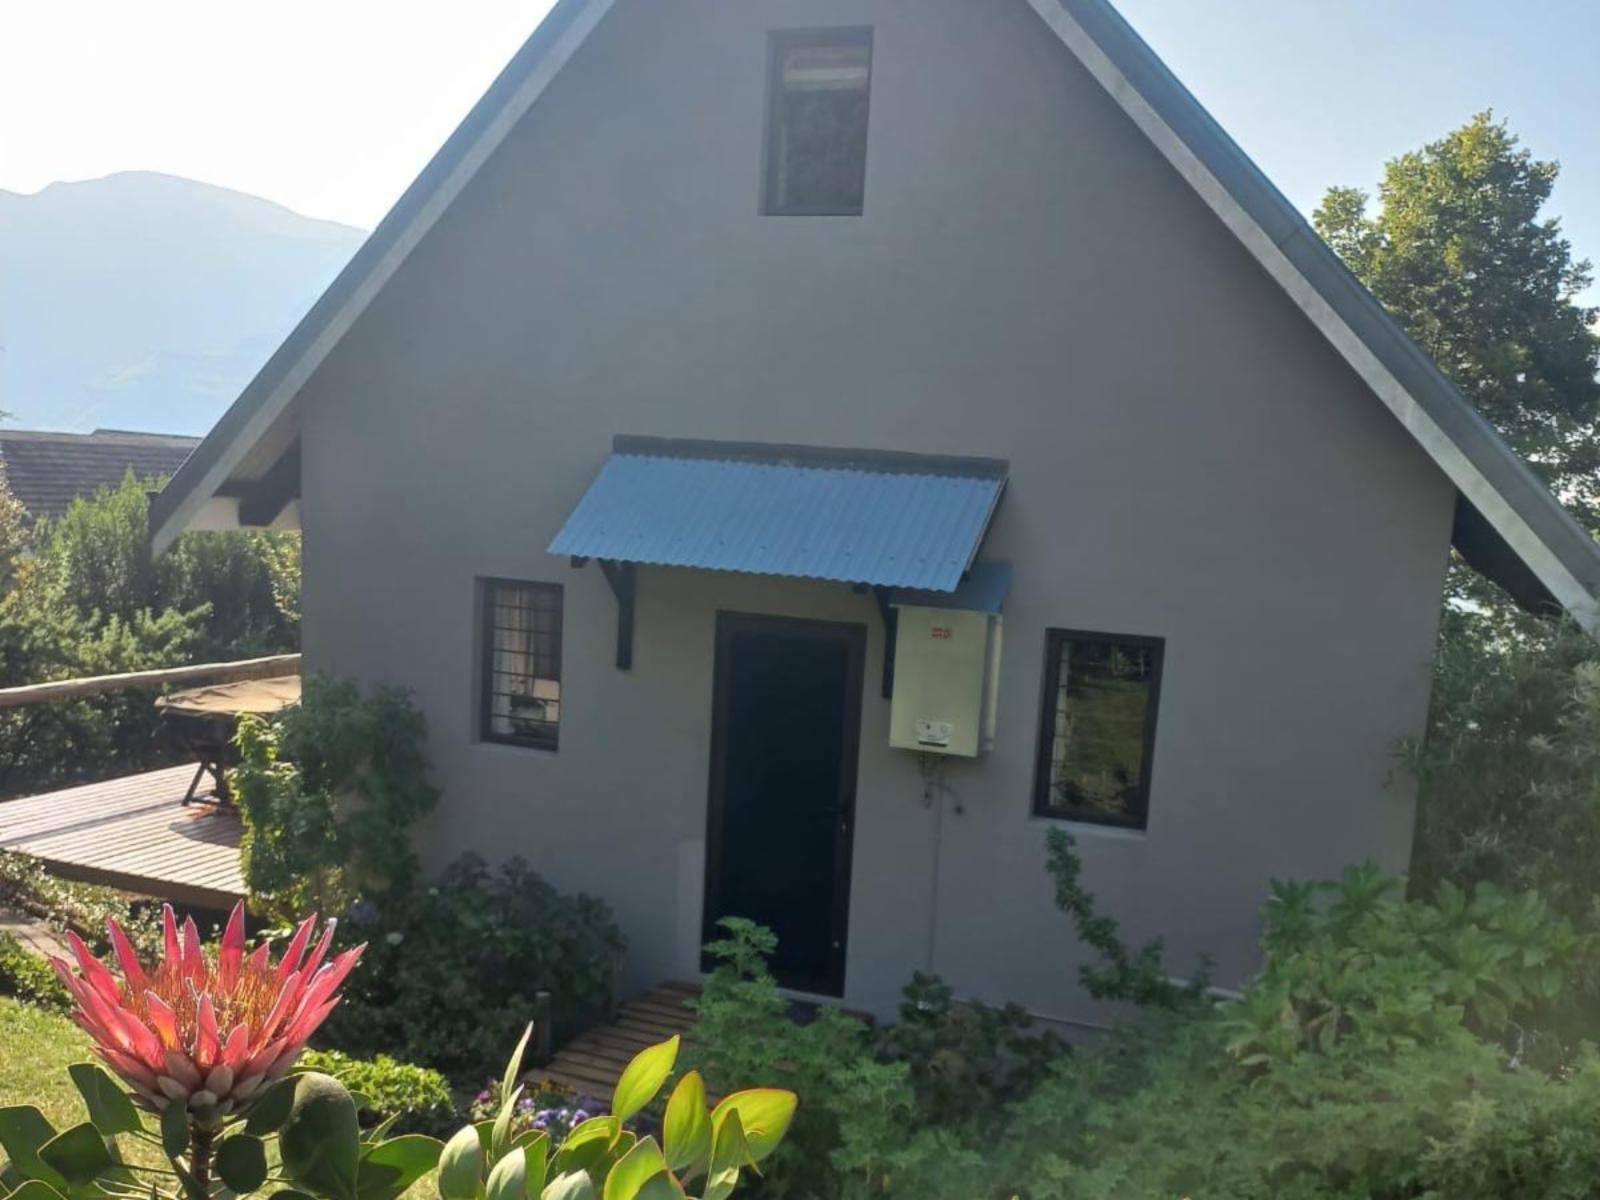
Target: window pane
<point>817,159</point>
<point>522,663</point>
<point>1099,726</point>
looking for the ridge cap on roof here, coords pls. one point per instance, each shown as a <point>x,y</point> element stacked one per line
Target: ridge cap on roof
<point>100,437</point>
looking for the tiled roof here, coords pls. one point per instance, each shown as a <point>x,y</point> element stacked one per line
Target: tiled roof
<point>46,471</point>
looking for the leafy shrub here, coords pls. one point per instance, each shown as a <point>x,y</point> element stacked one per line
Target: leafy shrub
<point>451,970</point>
<point>1172,1114</point>
<point>416,1098</point>
<point>96,558</point>
<point>329,792</point>
<point>28,977</point>
<point>948,1066</point>
<point>1354,960</point>
<point>57,744</point>
<point>91,601</point>
<point>13,531</point>
<point>1508,791</point>
<point>965,1059</point>
<point>1369,1060</point>
<point>1389,1050</point>
<point>745,1036</point>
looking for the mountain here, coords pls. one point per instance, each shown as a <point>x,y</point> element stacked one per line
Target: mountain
<point>145,301</point>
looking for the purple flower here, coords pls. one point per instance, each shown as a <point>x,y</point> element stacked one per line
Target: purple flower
<point>362,912</point>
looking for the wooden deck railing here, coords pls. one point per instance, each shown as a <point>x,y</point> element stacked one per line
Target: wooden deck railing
<point>228,672</point>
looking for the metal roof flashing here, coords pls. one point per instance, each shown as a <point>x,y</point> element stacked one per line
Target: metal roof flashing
<point>888,462</point>
<point>983,589</point>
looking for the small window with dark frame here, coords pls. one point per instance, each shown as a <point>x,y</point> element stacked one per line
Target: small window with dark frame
<point>521,703</point>
<point>818,90</point>
<point>1097,733</point>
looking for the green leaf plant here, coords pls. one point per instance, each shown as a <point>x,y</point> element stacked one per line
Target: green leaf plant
<point>601,1159</point>
<point>302,1137</point>
<point>311,1117</point>
<point>210,1090</point>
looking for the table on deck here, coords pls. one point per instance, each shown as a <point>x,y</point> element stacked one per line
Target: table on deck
<point>207,718</point>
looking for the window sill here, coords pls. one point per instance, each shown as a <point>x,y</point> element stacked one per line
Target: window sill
<point>812,212</point>
<point>514,748</point>
<point>1092,829</point>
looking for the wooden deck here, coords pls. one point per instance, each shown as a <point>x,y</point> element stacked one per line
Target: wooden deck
<point>132,833</point>
<point>591,1063</point>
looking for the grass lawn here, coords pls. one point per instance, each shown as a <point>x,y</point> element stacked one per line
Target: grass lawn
<point>36,1048</point>
<point>39,1047</point>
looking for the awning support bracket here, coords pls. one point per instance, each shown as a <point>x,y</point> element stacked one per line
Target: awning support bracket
<point>624,580</point>
<point>891,635</point>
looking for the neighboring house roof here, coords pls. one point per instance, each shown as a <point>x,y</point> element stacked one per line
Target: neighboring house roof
<point>1510,523</point>
<point>47,471</point>
<point>857,516</point>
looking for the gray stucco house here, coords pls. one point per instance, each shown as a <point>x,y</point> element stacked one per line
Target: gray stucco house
<point>798,451</point>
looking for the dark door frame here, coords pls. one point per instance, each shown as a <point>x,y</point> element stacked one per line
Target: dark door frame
<point>854,639</point>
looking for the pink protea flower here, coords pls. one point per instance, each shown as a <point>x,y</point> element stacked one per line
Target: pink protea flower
<point>206,1031</point>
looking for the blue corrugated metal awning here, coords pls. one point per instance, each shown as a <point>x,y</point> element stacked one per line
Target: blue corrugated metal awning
<point>858,516</point>
<point>984,590</point>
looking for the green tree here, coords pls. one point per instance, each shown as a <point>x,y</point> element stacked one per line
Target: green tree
<point>41,639</point>
<point>97,557</point>
<point>1460,253</point>
<point>13,533</point>
<point>1509,772</point>
<point>91,601</point>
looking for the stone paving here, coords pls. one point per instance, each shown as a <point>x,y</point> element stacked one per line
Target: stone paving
<point>33,933</point>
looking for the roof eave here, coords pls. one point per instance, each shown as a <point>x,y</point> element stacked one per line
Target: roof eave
<point>1483,468</point>
<point>268,396</point>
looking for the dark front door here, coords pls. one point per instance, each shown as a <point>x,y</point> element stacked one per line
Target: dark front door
<point>786,727</point>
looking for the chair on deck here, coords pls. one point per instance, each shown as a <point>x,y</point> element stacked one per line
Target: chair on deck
<point>208,716</point>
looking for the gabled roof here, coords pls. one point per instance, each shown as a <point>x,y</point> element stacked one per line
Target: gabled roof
<point>1505,502</point>
<point>47,471</point>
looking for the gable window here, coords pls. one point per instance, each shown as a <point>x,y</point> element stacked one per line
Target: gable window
<point>1097,732</point>
<point>818,87</point>
<point>521,637</point>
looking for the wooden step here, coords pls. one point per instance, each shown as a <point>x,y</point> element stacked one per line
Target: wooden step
<point>593,1061</point>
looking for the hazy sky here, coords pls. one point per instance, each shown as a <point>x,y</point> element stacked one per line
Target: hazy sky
<point>332,106</point>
